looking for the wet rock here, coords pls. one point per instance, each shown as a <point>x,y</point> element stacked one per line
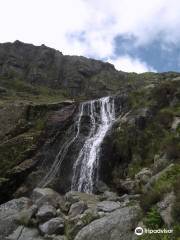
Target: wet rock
<point>77,208</point>
<point>9,213</point>
<point>118,225</point>
<point>108,206</point>
<point>45,213</point>
<point>53,226</point>
<point>24,233</point>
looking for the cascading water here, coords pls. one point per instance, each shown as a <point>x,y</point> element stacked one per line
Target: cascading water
<point>85,167</point>
<point>101,113</point>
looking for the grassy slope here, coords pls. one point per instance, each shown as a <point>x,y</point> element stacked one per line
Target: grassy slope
<point>154,140</point>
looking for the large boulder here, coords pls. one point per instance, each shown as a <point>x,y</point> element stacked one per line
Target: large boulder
<point>45,213</point>
<point>107,206</point>
<point>9,213</point>
<point>118,225</point>
<point>48,195</point>
<point>53,226</point>
<point>24,233</point>
<point>77,208</point>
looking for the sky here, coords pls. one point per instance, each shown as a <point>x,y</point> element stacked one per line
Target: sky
<point>134,35</point>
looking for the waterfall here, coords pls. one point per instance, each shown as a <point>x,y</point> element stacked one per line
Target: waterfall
<point>101,115</point>
<point>86,164</point>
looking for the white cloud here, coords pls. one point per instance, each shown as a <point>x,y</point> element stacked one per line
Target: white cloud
<point>89,27</point>
<point>129,64</point>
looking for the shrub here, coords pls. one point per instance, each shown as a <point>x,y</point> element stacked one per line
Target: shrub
<point>153,219</point>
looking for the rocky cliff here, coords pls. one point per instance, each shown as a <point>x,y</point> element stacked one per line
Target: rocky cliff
<point>139,169</point>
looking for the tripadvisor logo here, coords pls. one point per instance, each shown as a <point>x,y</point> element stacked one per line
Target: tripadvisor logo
<point>139,231</point>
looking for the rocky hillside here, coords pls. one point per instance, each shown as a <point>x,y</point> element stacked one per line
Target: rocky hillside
<point>139,170</point>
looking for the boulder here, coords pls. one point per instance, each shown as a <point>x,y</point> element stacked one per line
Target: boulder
<point>90,199</point>
<point>108,206</point>
<point>53,226</point>
<point>77,208</point>
<point>45,213</point>
<point>42,195</point>
<point>9,213</point>
<point>24,233</point>
<point>74,225</point>
<point>165,208</point>
<point>111,196</point>
<point>26,215</point>
<point>130,186</point>
<point>143,175</point>
<point>72,197</point>
<point>118,225</point>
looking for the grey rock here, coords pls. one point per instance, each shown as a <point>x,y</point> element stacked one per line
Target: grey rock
<point>111,196</point>
<point>108,206</point>
<point>161,161</point>
<point>176,123</point>
<point>45,213</point>
<point>118,225</point>
<point>130,186</point>
<point>62,237</point>
<point>126,198</point>
<point>155,178</point>
<point>46,195</point>
<point>77,208</point>
<point>53,226</point>
<point>90,199</point>
<point>9,213</point>
<point>45,66</point>
<point>24,217</point>
<point>24,233</point>
<point>144,175</point>
<point>72,197</point>
<point>165,208</point>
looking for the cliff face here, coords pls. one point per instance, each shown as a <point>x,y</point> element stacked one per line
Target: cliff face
<point>47,67</point>
<point>40,94</point>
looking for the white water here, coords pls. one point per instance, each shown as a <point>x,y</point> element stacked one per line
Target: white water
<point>101,113</point>
<point>85,167</point>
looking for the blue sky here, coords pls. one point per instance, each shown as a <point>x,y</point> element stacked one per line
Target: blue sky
<point>134,35</point>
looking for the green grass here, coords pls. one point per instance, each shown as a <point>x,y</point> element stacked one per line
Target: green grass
<point>163,185</point>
